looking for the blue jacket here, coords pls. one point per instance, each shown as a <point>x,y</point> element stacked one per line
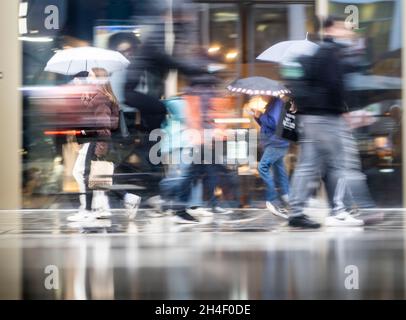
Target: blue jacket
<point>269,122</point>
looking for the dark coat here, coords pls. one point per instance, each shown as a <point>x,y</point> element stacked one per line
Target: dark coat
<point>321,90</point>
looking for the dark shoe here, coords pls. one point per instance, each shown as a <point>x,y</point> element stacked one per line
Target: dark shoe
<point>303,222</point>
<point>184,218</point>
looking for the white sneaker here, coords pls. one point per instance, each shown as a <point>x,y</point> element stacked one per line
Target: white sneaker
<point>277,210</point>
<point>100,200</point>
<point>155,202</point>
<point>102,214</point>
<point>131,203</point>
<point>200,212</point>
<point>82,216</point>
<point>343,220</point>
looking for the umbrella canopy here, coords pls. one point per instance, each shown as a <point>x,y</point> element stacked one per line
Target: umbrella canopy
<point>363,82</point>
<point>258,86</point>
<point>363,90</point>
<point>72,61</point>
<point>288,51</point>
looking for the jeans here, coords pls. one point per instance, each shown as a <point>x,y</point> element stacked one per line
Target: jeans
<point>322,154</point>
<point>211,178</point>
<point>181,179</point>
<point>273,158</point>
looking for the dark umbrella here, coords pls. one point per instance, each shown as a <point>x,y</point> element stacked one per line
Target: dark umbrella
<point>258,86</point>
<point>364,90</point>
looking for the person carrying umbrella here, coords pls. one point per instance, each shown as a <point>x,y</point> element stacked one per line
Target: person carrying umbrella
<point>274,147</point>
<point>320,99</point>
<point>274,151</point>
<point>104,107</point>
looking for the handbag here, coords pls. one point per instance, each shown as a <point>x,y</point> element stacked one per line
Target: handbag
<point>287,128</point>
<point>101,174</point>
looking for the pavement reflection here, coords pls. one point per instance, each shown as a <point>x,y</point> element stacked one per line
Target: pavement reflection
<point>153,258</point>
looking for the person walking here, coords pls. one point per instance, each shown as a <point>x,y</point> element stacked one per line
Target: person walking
<point>274,151</point>
<point>319,97</point>
<point>103,105</point>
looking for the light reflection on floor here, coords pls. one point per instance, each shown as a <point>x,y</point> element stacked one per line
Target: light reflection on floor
<point>153,258</point>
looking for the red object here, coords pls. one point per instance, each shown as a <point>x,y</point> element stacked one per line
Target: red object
<point>63,132</point>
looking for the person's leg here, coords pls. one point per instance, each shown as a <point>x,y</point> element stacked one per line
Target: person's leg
<point>87,214</point>
<point>168,185</point>
<point>357,192</point>
<point>188,176</point>
<point>196,196</point>
<point>88,162</point>
<point>268,158</point>
<point>337,173</point>
<point>78,173</point>
<point>175,187</point>
<point>281,176</point>
<point>302,184</point>
<point>212,174</point>
<point>309,163</point>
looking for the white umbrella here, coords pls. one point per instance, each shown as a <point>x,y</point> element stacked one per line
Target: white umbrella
<point>72,61</point>
<point>288,51</point>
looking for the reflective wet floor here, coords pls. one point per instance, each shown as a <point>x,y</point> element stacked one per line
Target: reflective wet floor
<point>249,255</point>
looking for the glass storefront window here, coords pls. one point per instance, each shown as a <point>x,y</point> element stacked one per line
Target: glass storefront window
<point>220,34</point>
<point>270,26</point>
<point>273,23</point>
<point>235,33</point>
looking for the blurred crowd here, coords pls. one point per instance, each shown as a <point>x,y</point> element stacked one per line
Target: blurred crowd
<point>309,115</point>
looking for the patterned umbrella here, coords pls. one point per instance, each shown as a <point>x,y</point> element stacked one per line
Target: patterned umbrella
<point>255,86</point>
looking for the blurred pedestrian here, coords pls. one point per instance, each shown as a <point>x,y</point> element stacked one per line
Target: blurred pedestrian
<point>201,97</point>
<point>319,97</point>
<point>151,63</point>
<point>104,107</point>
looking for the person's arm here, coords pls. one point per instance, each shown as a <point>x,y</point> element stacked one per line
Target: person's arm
<point>169,62</point>
<point>257,115</point>
<point>267,120</point>
<point>270,118</point>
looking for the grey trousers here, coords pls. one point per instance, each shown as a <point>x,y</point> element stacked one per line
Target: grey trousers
<point>356,193</point>
<point>321,140</point>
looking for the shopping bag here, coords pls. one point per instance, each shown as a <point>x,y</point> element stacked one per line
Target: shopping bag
<point>101,174</point>
<point>286,128</point>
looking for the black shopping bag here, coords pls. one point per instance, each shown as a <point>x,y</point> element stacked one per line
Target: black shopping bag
<point>286,128</point>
